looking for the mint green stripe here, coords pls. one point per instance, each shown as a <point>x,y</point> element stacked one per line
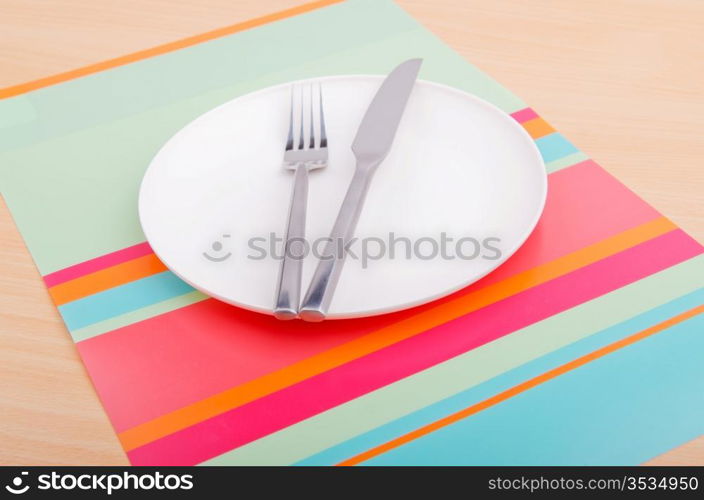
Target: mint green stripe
<point>138,315</point>
<point>565,161</point>
<point>470,369</point>
<point>74,153</point>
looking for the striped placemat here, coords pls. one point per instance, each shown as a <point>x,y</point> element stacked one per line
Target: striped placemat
<point>582,349</point>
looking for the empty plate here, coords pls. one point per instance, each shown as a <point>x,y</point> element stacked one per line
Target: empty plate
<point>461,189</point>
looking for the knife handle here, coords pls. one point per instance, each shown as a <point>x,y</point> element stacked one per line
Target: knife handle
<point>322,287</point>
<point>288,290</point>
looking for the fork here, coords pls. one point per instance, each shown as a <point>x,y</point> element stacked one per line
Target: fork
<point>300,155</point>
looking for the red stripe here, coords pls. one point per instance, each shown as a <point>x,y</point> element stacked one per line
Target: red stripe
<point>147,369</point>
<point>303,400</point>
<point>209,347</point>
<point>93,265</point>
<point>585,204</point>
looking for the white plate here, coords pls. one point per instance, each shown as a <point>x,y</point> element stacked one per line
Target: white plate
<point>458,165</point>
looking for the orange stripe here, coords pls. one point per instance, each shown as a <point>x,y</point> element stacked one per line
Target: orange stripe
<point>275,381</point>
<point>161,49</point>
<point>529,384</point>
<point>98,281</point>
<point>538,128</point>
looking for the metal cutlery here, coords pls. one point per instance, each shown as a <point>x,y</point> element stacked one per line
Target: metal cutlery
<point>301,154</point>
<point>371,145</point>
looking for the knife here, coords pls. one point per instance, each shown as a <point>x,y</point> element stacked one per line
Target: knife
<point>371,145</point>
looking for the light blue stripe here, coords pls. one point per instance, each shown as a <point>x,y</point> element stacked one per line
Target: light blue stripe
<point>122,299</point>
<point>622,409</point>
<point>498,384</point>
<point>554,146</point>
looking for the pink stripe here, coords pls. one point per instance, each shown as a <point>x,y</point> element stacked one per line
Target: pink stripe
<point>93,265</point>
<point>209,347</point>
<point>524,115</point>
<point>310,397</point>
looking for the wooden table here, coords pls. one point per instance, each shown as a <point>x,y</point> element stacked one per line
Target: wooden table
<point>623,79</point>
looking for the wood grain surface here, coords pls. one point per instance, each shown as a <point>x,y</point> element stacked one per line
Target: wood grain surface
<point>622,79</point>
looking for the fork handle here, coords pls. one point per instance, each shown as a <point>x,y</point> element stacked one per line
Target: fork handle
<point>288,291</point>
<point>322,287</point>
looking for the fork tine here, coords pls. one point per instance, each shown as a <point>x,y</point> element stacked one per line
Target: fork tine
<point>289,141</point>
<point>301,140</point>
<point>311,141</point>
<point>323,134</point>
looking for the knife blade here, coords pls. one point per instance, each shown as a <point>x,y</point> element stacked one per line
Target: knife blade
<point>372,143</point>
<point>378,127</point>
